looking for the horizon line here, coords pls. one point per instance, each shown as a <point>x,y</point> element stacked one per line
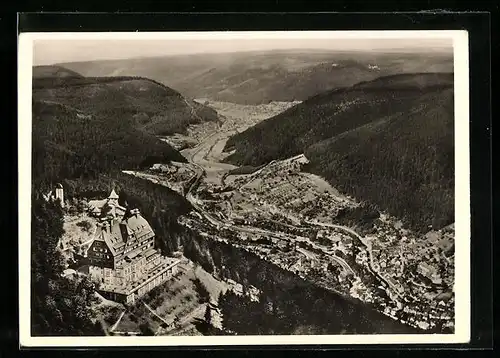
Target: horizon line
<point>393,51</point>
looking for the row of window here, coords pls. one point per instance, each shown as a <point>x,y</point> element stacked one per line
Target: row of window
<point>136,246</point>
<point>101,255</point>
<point>155,282</point>
<point>98,249</point>
<point>145,240</point>
<point>146,236</point>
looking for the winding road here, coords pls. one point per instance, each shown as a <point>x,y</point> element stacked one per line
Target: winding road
<point>200,161</point>
<point>204,157</point>
<point>193,159</point>
<point>367,246</point>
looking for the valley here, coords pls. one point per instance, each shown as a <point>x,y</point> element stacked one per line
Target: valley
<point>299,193</point>
<point>291,218</point>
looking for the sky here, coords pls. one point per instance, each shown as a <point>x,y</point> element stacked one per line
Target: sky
<point>51,51</point>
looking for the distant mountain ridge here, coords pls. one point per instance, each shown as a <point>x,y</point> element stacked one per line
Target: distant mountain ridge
<point>53,72</point>
<point>260,77</point>
<point>389,142</point>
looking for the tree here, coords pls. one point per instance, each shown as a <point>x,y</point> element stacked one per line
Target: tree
<point>59,306</point>
<point>208,314</point>
<point>146,329</point>
<point>85,225</point>
<point>105,210</point>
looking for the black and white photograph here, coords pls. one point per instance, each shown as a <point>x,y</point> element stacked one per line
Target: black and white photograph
<point>227,188</point>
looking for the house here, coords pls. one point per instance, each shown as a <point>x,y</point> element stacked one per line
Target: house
<point>430,272</point>
<point>122,257</point>
<point>110,205</point>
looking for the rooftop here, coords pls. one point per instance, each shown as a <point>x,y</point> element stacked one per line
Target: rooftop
<point>113,195</point>
<point>115,232</point>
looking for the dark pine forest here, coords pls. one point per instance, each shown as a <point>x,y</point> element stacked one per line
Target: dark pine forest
<point>388,142</point>
<point>84,134</point>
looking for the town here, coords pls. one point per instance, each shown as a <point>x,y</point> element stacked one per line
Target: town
<point>402,275</point>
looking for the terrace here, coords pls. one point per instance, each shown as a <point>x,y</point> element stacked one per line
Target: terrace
<point>130,287</point>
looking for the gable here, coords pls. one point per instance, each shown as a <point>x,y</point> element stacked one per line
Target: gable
<point>100,254</point>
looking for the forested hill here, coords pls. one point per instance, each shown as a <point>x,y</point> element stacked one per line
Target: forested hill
<point>86,131</point>
<point>329,114</point>
<point>84,126</point>
<point>152,106</point>
<point>403,163</point>
<point>389,142</point>
<point>54,72</point>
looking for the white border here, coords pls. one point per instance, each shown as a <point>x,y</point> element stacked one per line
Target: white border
<point>462,200</point>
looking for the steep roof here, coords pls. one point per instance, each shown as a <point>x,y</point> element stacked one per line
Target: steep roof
<point>96,204</point>
<point>138,224</point>
<point>113,236</point>
<point>113,195</point>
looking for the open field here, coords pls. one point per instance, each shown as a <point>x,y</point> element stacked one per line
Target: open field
<point>170,309</point>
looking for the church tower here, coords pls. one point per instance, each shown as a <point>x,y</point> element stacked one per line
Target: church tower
<point>113,198</point>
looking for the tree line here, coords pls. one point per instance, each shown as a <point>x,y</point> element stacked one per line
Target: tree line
<point>287,303</point>
<point>404,165</point>
<point>59,306</point>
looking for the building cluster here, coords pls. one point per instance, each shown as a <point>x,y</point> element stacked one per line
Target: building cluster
<point>430,272</point>
<point>176,176</point>
<point>389,255</point>
<point>413,268</point>
<point>122,258</point>
<point>282,186</point>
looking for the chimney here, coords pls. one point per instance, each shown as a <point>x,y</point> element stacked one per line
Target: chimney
<point>124,231</point>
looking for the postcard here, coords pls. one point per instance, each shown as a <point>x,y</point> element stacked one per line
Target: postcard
<point>243,188</point>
